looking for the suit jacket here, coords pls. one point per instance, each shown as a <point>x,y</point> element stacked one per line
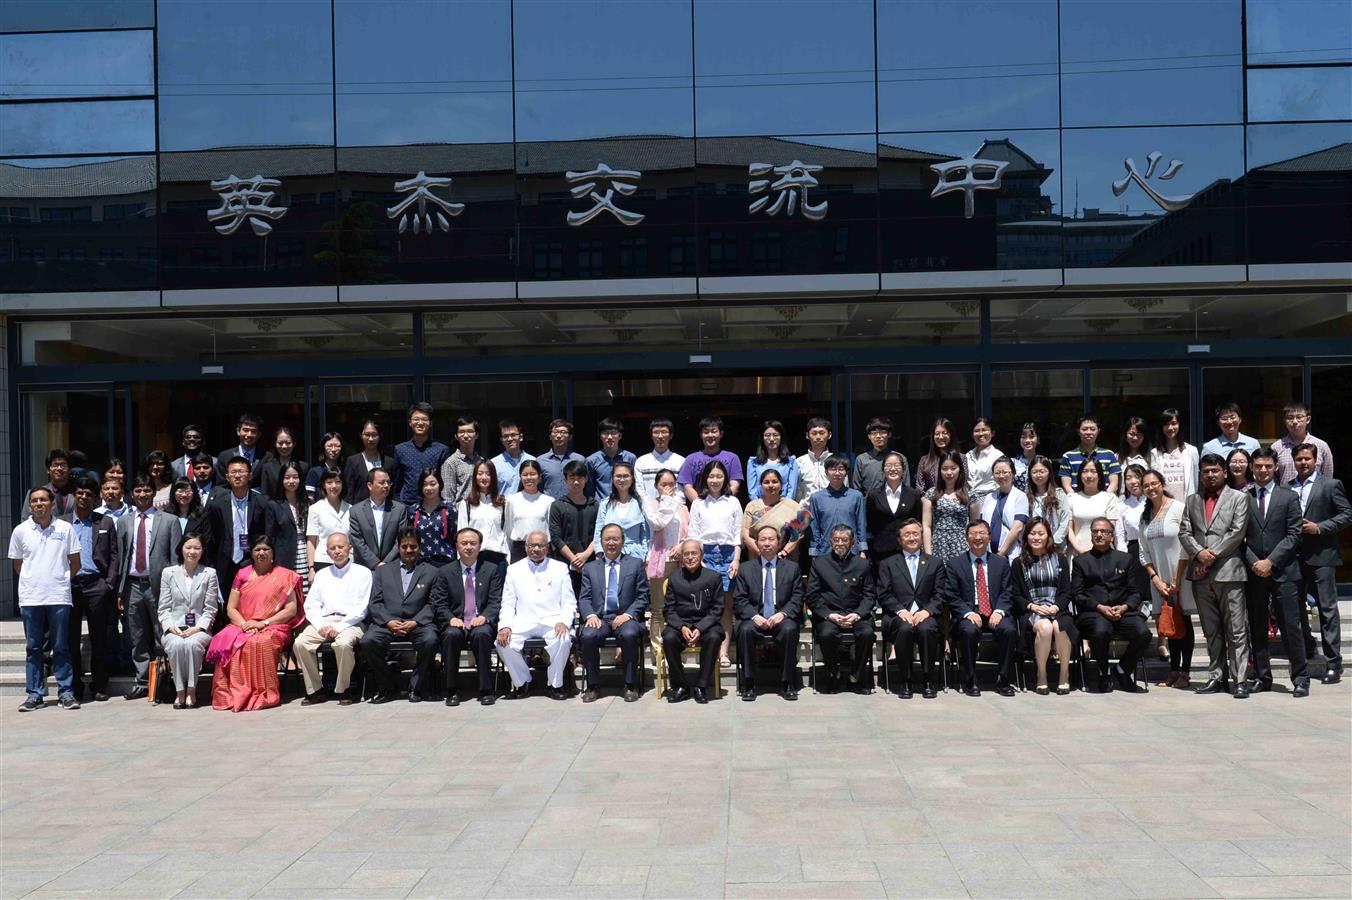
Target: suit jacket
<point>694,602</point>
<point>270,470</point>
<point>105,547</point>
<point>179,468</point>
<point>448,593</point>
<point>164,537</point>
<point>1327,507</point>
<point>1023,595</point>
<point>277,522</point>
<point>958,587</point>
<point>1224,536</point>
<point>634,599</point>
<point>883,523</point>
<point>1277,536</point>
<point>354,477</point>
<point>230,453</point>
<point>836,586</point>
<point>368,548</point>
<point>897,593</point>
<point>220,527</point>
<point>1107,580</point>
<point>178,594</point>
<point>389,601</point>
<point>748,595</point>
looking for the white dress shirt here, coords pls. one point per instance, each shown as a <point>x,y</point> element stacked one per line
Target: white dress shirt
<point>337,592</point>
<point>323,521</point>
<point>537,594</point>
<point>44,579</point>
<point>150,540</point>
<point>527,513</point>
<point>811,474</point>
<point>716,520</point>
<point>491,521</point>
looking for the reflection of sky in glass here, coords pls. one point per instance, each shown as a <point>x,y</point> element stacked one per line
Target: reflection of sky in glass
<point>1301,93</point>
<point>784,68</point>
<point>82,64</point>
<point>123,125</point>
<point>69,15</point>
<point>1270,144</point>
<point>1044,147</point>
<point>245,73</point>
<point>972,65</point>
<point>442,72</point>
<point>602,68</point>
<point>1094,160</point>
<point>1150,62</point>
<point>1289,31</point>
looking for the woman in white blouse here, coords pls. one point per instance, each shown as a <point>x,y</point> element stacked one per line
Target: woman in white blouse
<point>485,510</point>
<point>1090,502</point>
<point>980,461</point>
<point>328,515</point>
<point>716,522</point>
<point>1175,459</point>
<point>668,521</point>
<point>1134,503</point>
<point>527,509</point>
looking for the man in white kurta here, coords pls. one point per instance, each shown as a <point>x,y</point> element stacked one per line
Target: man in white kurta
<point>335,607</point>
<point>537,602</point>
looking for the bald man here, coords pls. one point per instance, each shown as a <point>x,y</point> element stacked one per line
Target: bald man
<point>537,602</point>
<point>334,611</point>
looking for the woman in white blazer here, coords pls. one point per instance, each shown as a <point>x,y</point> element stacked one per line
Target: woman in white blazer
<point>189,596</point>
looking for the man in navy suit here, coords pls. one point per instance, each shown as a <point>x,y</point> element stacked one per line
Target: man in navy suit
<point>978,592</point>
<point>768,598</point>
<point>613,600</point>
<point>468,596</point>
<point>908,592</point>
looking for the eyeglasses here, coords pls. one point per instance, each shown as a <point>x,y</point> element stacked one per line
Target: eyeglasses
<point>1100,531</point>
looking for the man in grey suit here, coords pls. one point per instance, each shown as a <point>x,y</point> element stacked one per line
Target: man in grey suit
<point>1270,545</point>
<point>146,543</point>
<point>373,524</point>
<point>613,601</point>
<point>1325,512</point>
<point>192,445</point>
<point>401,609</point>
<point>1212,534</point>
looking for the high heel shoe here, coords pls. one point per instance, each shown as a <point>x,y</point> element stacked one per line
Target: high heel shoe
<point>1041,690</point>
<point>1062,690</point>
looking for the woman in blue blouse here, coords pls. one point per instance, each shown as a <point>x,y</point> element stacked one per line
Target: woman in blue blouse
<point>772,454</point>
<point>624,507</point>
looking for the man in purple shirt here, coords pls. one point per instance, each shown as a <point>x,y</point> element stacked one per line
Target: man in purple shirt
<point>711,434</point>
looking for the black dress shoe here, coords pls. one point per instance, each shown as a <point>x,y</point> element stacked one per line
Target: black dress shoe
<point>558,693</point>
<point>452,699</point>
<point>590,695</point>
<point>679,695</point>
<point>1241,692</point>
<point>1301,690</point>
<point>381,698</point>
<point>414,697</point>
<point>317,697</point>
<point>348,699</point>
<point>1005,689</point>
<point>863,690</point>
<point>928,692</point>
<point>1214,686</point>
<point>1259,685</point>
<point>100,696</point>
<point>789,692</point>
<point>517,693</point>
<point>971,690</point>
<point>1128,685</point>
<point>140,693</point>
<point>486,698</point>
<point>1105,685</point>
<point>905,692</point>
<point>748,694</point>
<point>1332,676</point>
<point>630,693</point>
<point>698,694</point>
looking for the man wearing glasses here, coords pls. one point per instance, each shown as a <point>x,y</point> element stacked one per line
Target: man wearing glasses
<point>1104,590</point>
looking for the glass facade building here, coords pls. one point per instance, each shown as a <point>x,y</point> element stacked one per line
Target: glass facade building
<point>323,209</point>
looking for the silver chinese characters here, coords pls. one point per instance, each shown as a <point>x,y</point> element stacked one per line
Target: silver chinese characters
<point>968,175</point>
<point>1168,204</point>
<point>419,189</point>
<point>587,184</point>
<point>788,190</point>
<point>246,200</point>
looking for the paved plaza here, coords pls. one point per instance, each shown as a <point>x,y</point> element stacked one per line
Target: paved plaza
<point>1163,795</point>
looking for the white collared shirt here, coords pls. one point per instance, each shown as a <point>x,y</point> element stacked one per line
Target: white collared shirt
<point>1302,489</point>
<point>323,521</point>
<point>338,592</point>
<point>913,567</point>
<point>150,539</point>
<point>44,579</point>
<point>893,497</point>
<point>811,474</point>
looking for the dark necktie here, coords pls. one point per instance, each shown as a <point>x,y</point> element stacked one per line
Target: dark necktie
<point>471,603</point>
<point>998,521</point>
<point>141,564</point>
<point>1262,503</point>
<point>983,591</point>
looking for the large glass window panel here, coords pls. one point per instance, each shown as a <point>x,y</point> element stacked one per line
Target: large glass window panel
<point>111,126</point>
<point>1151,62</point>
<point>528,403</point>
<point>945,66</point>
<point>1051,399</point>
<point>74,15</point>
<point>1131,207</point>
<point>1331,385</point>
<point>802,68</point>
<point>1300,93</point>
<point>998,201</point>
<point>78,224</point>
<point>77,64</point>
<point>1299,191</point>
<point>348,406</point>
<point>913,401</point>
<point>762,214</point>
<point>400,83</point>
<point>580,72</point>
<point>75,421</point>
<point>1260,391</point>
<point>1116,395</point>
<point>160,409</point>
<point>245,73</point>
<point>1281,31</point>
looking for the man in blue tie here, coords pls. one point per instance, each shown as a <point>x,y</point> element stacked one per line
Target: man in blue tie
<point>613,601</point>
<point>908,590</point>
<point>768,602</point>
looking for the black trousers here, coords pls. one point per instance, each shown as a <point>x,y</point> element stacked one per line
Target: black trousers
<point>375,646</point>
<point>95,603</point>
<point>673,644</point>
<point>969,639</point>
<point>829,635</point>
<point>1283,601</point>
<point>904,637</point>
<point>784,636</point>
<point>1321,583</point>
<point>630,637</point>
<point>1099,630</point>
<point>480,640</point>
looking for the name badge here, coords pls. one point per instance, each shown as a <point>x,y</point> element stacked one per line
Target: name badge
<point>244,542</point>
<point>190,619</point>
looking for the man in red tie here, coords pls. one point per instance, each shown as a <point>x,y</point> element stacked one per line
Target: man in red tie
<point>467,596</point>
<point>977,590</point>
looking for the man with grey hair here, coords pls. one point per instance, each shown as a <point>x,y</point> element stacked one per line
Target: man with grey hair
<point>694,617</point>
<point>335,608</point>
<point>840,593</point>
<point>537,602</point>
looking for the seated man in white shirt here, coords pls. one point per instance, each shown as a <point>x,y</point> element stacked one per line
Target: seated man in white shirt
<point>537,602</point>
<point>334,611</point>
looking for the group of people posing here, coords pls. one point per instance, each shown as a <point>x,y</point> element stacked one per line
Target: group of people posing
<point>236,558</point>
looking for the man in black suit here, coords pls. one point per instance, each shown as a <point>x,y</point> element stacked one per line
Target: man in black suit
<point>613,600</point>
<point>1103,589</point>
<point>908,589</point>
<point>840,593</point>
<point>768,600</point>
<point>1271,540</point>
<point>373,523</point>
<point>1325,512</point>
<point>694,615</point>
<point>93,590</point>
<point>232,517</point>
<point>976,588</point>
<point>203,476</point>
<point>247,430</point>
<point>467,596</point>
<point>401,609</point>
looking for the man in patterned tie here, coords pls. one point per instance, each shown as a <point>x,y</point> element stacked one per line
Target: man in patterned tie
<point>467,596</point>
<point>613,601</point>
<point>977,590</point>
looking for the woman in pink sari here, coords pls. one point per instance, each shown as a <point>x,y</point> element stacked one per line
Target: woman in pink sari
<point>264,607</point>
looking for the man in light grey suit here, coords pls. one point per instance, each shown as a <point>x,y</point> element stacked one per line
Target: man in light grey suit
<point>373,525</point>
<point>1324,512</point>
<point>1212,533</point>
<point>1270,545</point>
<point>147,542</point>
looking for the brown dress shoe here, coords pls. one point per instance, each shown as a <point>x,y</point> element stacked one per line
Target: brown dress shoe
<point>590,695</point>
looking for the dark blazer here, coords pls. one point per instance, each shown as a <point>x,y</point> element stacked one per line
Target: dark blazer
<point>836,586</point>
<point>1276,537</point>
<point>883,523</point>
<point>229,453</point>
<point>1327,507</point>
<point>958,587</point>
<point>749,590</point>
<point>694,602</point>
<point>634,599</point>
<point>278,523</point>
<point>389,602</point>
<point>220,525</point>
<point>896,592</point>
<point>164,538</point>
<point>105,547</point>
<point>270,470</point>
<point>448,593</point>
<point>1023,596</point>
<point>354,477</point>
<point>368,548</point>
<point>1107,580</point>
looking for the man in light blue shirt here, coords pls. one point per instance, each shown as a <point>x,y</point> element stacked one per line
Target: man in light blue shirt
<point>510,459</point>
<point>1229,418</point>
<point>552,480</point>
<point>601,464</point>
